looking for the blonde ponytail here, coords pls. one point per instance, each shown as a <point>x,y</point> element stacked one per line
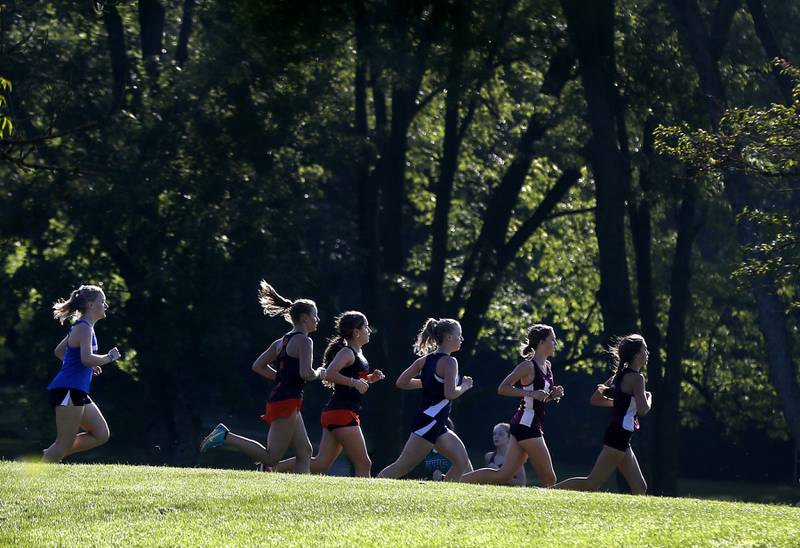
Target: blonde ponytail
<point>74,307</point>
<point>432,334</point>
<point>273,304</point>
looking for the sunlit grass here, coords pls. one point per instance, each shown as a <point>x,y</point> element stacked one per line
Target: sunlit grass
<point>123,505</point>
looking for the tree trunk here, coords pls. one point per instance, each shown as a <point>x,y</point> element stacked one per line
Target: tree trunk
<point>119,56</point>
<point>367,187</point>
<point>444,186</point>
<point>639,213</point>
<point>151,31</point>
<point>667,406</point>
<point>770,45</point>
<point>641,235</point>
<point>455,130</point>
<point>151,25</point>
<point>383,204</point>
<point>182,51</point>
<point>591,31</point>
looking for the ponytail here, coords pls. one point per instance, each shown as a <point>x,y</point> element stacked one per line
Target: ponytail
<point>74,307</point>
<point>335,344</point>
<point>432,334</point>
<point>623,350</point>
<point>344,324</point>
<point>273,304</point>
<point>536,334</point>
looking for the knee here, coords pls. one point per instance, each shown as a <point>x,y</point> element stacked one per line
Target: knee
<point>102,435</point>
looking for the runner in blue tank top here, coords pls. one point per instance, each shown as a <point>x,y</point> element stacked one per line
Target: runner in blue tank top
<point>293,355</point>
<point>532,382</point>
<point>625,393</point>
<point>349,375</point>
<point>69,390</point>
<point>436,374</point>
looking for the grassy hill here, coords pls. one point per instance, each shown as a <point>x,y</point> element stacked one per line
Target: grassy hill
<point>123,505</point>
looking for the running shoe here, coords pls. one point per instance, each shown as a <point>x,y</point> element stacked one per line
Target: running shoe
<point>215,438</point>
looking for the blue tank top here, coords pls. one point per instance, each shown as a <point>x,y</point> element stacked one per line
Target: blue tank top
<point>434,404</point>
<point>73,373</point>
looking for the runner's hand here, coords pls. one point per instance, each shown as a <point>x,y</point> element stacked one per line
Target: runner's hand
<point>361,385</point>
<point>376,376</point>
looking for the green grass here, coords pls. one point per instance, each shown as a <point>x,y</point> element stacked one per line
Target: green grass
<point>123,505</point>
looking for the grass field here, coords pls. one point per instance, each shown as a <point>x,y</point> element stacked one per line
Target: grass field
<point>124,505</point>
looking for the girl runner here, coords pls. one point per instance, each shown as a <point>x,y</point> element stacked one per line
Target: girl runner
<point>349,376</point>
<point>69,390</point>
<point>292,355</point>
<point>436,373</point>
<point>625,393</point>
<point>532,382</point>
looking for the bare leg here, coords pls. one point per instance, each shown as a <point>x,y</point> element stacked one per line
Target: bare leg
<point>450,446</point>
<point>96,430</point>
<point>329,450</point>
<point>629,467</point>
<point>278,439</point>
<point>68,422</point>
<point>605,464</point>
<point>515,457</point>
<point>352,439</point>
<point>413,453</point>
<point>302,447</point>
<point>539,455</point>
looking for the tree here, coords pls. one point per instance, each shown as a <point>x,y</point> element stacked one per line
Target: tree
<point>739,192</point>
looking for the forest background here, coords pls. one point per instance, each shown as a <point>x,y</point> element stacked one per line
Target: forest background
<point>605,167</point>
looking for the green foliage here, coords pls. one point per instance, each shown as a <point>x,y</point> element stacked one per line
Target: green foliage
<point>6,126</point>
<point>243,162</point>
<point>764,142</point>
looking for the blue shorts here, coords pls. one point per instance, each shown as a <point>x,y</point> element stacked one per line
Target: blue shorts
<point>429,428</point>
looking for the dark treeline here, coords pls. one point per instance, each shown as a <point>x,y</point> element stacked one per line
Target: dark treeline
<point>489,161</point>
